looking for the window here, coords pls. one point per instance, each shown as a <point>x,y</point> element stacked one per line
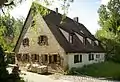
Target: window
<point>25,42</point>
<point>35,57</point>
<point>55,58</point>
<point>65,33</point>
<point>93,43</point>
<point>46,58</point>
<point>33,23</point>
<point>84,41</point>
<point>80,58</point>
<point>71,38</point>
<point>26,57</point>
<point>19,57</point>
<point>89,40</point>
<point>42,40</point>
<point>76,58</point>
<point>80,37</point>
<point>98,56</point>
<point>97,43</point>
<point>91,57</point>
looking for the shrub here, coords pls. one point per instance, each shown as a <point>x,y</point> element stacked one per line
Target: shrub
<point>108,69</point>
<point>4,75</point>
<point>3,72</point>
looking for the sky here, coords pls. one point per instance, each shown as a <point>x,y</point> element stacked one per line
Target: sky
<point>86,10</point>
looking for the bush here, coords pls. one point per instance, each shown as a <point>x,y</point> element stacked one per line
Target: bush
<point>110,70</point>
<point>10,58</point>
<point>3,72</point>
<point>4,75</point>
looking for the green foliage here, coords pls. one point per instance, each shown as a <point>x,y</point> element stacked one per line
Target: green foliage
<point>108,70</point>
<point>109,20</point>
<point>3,72</point>
<point>10,57</point>
<point>4,75</point>
<point>9,31</point>
<point>37,8</point>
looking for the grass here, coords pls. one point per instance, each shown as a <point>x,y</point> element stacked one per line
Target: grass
<point>106,69</point>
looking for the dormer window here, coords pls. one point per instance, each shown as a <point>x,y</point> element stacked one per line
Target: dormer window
<point>97,42</point>
<point>25,42</point>
<point>80,37</point>
<point>42,40</point>
<point>84,41</point>
<point>92,43</point>
<point>71,38</point>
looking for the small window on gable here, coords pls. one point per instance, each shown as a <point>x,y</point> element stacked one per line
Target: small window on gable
<point>71,38</point>
<point>33,23</point>
<point>91,57</point>
<point>25,42</point>
<point>42,40</point>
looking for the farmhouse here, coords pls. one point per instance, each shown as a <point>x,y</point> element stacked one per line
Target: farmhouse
<point>56,42</point>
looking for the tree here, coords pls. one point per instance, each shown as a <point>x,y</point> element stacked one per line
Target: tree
<point>11,3</point>
<point>9,31</point>
<point>109,20</point>
<point>3,72</point>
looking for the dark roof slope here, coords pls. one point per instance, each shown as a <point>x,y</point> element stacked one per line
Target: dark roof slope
<point>69,25</point>
<point>53,21</point>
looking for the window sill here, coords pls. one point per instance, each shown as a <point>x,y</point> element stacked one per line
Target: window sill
<point>77,62</point>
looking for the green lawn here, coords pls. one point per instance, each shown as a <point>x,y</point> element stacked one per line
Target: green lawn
<point>105,69</point>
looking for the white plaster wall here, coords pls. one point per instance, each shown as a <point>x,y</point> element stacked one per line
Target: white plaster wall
<point>85,59</point>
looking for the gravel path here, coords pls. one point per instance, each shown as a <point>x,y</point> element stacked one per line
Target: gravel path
<point>34,77</point>
<point>83,79</point>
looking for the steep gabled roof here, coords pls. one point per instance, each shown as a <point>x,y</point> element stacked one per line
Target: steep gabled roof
<point>53,21</point>
<point>24,28</point>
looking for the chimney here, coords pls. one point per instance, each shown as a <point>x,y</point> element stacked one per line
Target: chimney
<point>56,10</point>
<point>76,19</point>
